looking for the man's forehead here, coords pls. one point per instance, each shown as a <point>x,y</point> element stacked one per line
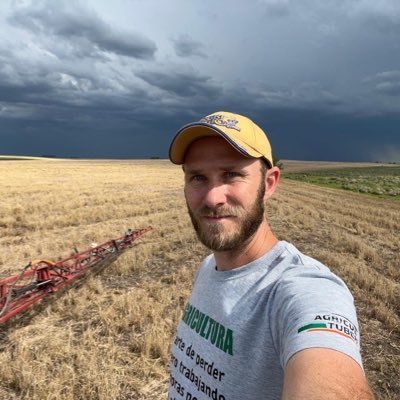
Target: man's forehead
<point>194,168</point>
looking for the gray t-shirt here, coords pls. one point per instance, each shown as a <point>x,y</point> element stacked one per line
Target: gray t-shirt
<point>240,327</point>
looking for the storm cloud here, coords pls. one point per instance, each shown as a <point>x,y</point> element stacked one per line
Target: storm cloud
<point>182,82</point>
<point>185,46</point>
<point>82,28</point>
<point>94,79</point>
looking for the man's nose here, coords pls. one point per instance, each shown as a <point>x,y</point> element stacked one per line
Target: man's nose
<point>215,196</point>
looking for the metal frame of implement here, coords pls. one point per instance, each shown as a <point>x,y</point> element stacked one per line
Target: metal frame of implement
<point>43,277</point>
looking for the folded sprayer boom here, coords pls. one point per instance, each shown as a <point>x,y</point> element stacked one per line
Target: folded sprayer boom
<point>43,277</point>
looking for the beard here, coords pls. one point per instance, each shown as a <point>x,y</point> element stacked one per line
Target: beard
<point>216,236</point>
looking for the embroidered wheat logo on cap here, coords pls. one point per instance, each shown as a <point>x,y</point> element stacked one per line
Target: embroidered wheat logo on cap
<point>221,120</point>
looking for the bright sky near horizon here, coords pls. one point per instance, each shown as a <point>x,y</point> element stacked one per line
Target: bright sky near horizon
<point>117,79</point>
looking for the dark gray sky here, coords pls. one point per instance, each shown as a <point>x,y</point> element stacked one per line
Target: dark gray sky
<point>94,78</point>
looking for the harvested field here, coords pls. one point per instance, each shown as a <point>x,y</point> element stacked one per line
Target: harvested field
<point>109,338</point>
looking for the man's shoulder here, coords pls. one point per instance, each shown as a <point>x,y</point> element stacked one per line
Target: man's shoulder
<point>208,262</point>
<point>296,258</point>
<point>303,273</point>
<point>298,263</point>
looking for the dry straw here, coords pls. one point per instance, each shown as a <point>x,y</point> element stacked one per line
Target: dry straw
<point>110,338</point>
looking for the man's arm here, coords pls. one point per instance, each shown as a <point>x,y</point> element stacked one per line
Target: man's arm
<point>319,373</point>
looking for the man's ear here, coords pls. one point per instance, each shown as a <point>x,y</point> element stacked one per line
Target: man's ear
<point>271,181</point>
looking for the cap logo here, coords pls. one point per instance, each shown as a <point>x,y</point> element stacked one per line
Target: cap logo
<point>221,120</point>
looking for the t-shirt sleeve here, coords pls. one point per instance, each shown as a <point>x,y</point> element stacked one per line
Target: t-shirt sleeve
<point>314,308</point>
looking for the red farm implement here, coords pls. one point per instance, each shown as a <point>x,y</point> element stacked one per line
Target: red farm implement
<point>41,278</point>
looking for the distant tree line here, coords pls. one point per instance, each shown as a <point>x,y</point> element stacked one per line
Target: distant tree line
<point>277,162</point>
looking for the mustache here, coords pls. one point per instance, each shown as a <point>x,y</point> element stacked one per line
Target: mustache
<point>206,211</point>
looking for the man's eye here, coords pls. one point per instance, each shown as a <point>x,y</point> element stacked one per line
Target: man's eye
<point>232,174</point>
<point>198,178</point>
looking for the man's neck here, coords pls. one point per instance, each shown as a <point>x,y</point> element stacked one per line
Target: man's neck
<point>262,241</point>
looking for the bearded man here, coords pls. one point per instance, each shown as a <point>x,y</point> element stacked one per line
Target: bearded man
<point>264,321</point>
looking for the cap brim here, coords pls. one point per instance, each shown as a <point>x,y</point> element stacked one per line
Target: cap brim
<point>192,132</point>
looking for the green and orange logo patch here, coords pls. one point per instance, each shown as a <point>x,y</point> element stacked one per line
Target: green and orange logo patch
<point>332,323</point>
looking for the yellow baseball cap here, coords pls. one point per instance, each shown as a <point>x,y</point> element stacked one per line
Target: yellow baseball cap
<point>242,133</point>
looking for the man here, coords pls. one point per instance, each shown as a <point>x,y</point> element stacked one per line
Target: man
<point>264,321</point>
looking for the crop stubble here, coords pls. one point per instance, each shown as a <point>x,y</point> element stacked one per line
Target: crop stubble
<point>109,338</point>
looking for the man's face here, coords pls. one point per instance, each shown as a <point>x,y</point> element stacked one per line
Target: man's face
<point>224,192</point>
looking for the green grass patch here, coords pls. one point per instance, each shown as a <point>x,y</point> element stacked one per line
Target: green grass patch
<point>378,181</point>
